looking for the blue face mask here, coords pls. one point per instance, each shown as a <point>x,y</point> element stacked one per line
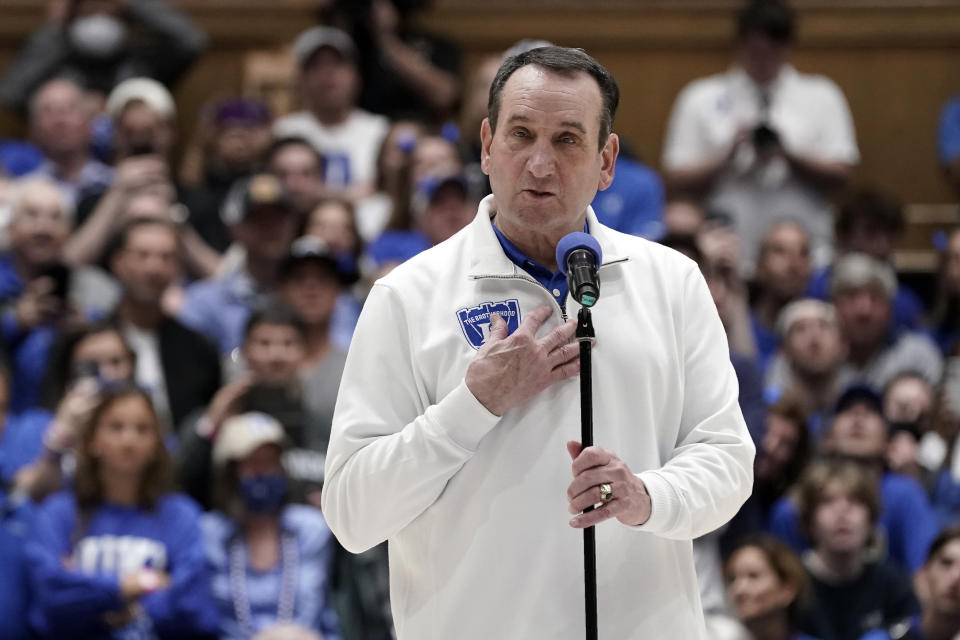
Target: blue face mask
<point>263,494</point>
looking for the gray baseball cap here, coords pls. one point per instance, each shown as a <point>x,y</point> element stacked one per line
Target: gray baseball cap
<point>312,39</point>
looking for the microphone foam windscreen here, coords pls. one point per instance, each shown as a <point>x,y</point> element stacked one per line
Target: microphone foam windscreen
<point>574,241</point>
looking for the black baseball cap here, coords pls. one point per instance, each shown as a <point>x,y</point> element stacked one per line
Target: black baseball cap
<point>258,192</point>
<point>310,249</point>
<point>859,394</point>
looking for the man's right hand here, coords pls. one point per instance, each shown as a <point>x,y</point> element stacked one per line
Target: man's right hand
<point>140,172</point>
<point>509,370</point>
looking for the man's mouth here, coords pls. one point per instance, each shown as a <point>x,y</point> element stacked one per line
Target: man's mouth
<point>537,193</point>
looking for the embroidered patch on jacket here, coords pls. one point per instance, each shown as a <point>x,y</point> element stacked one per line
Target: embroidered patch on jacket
<point>475,321</point>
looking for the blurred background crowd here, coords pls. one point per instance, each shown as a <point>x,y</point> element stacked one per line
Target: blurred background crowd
<point>176,304</point>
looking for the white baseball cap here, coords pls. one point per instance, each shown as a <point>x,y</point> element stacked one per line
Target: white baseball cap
<point>240,435</point>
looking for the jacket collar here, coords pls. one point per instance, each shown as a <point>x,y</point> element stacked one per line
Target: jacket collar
<point>487,258</point>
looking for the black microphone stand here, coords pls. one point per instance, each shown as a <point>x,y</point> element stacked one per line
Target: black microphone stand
<point>585,335</point>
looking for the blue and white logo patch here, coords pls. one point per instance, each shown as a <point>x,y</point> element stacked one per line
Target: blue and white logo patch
<point>475,321</point>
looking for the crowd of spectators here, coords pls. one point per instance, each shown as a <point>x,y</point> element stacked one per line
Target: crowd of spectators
<point>175,321</point>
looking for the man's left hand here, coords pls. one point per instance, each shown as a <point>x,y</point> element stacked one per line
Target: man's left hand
<point>594,466</point>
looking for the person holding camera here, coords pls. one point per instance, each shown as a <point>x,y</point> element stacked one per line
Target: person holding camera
<point>763,141</point>
<point>40,295</point>
<point>143,114</point>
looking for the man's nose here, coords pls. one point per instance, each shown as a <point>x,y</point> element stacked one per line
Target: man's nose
<point>542,161</point>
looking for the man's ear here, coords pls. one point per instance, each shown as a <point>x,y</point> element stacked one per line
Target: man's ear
<point>486,139</point>
<point>608,160</point>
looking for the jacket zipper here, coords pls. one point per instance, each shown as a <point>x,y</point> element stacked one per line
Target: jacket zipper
<point>563,311</point>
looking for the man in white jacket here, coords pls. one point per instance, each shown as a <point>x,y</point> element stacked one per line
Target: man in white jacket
<point>455,424</point>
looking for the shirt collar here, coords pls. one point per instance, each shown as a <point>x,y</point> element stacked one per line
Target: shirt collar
<point>741,79</point>
<point>521,259</point>
<point>489,257</point>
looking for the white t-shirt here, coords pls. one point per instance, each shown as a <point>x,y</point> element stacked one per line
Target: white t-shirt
<point>149,373</point>
<point>349,149</point>
<point>813,120</point>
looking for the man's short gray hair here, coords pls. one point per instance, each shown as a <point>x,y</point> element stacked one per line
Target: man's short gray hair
<point>802,309</point>
<point>856,270</point>
<point>37,183</point>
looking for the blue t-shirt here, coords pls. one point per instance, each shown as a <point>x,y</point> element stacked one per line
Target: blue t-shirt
<point>314,547</point>
<point>633,203</point>
<point>948,139</point>
<point>22,441</point>
<point>767,340</point>
<point>76,567</point>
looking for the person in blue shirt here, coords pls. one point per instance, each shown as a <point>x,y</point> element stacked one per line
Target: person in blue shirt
<point>269,559</point>
<point>634,202</point>
<point>948,141</point>
<point>120,555</point>
<point>859,432</point>
<point>441,205</point>
<point>38,293</point>
<point>940,580</point>
<point>16,521</point>
<point>36,439</point>
<point>261,217</point>
<point>766,581</point>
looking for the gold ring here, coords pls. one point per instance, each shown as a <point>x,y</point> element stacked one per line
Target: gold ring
<point>606,492</point>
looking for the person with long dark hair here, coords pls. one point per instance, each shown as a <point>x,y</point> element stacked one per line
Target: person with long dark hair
<point>120,555</point>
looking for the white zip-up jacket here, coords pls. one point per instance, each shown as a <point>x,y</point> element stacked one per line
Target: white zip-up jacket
<point>475,505</point>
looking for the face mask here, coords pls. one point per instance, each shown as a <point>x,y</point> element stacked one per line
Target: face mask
<point>263,494</point>
<point>98,35</point>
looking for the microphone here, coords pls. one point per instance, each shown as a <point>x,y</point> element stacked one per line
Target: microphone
<point>579,256</point>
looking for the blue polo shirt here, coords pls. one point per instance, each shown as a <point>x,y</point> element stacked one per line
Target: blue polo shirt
<point>553,281</point>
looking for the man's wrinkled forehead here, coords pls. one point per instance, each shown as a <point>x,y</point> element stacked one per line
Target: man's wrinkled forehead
<point>533,90</point>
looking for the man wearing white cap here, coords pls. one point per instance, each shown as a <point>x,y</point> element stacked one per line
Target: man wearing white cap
<point>144,115</point>
<point>329,83</point>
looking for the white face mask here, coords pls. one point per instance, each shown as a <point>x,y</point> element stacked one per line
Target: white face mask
<point>98,35</point>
